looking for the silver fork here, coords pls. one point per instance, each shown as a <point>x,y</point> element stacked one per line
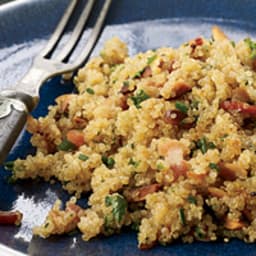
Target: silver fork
<point>15,105</point>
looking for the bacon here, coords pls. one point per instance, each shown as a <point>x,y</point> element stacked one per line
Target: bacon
<point>10,218</point>
<point>239,107</point>
<point>139,194</point>
<point>76,137</point>
<point>164,65</point>
<point>63,101</point>
<point>147,72</point>
<point>179,89</point>
<point>233,224</point>
<point>174,117</point>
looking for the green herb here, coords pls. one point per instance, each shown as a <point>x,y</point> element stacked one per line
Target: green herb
<point>134,163</point>
<point>194,104</point>
<point>151,59</point>
<point>46,224</point>
<point>214,166</point>
<point>222,138</point>
<point>108,161</point>
<point>181,107</point>
<point>199,233</point>
<point>203,144</point>
<point>90,91</point>
<point>102,54</point>
<point>182,216</point>
<point>83,157</point>
<point>191,199</point>
<point>132,146</point>
<point>118,204</point>
<point>138,73</point>
<point>139,97</point>
<point>66,145</point>
<point>233,43</point>
<point>113,67</point>
<point>135,226</point>
<point>252,46</point>
<point>126,83</point>
<point>11,180</point>
<point>160,166</point>
<point>9,165</point>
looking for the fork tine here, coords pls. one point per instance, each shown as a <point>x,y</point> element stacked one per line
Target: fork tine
<point>59,29</point>
<point>76,32</point>
<point>93,36</point>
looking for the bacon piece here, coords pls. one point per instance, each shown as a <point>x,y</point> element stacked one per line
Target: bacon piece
<point>233,224</point>
<point>147,72</point>
<point>174,117</point>
<point>178,89</point>
<point>76,137</point>
<point>10,218</point>
<point>239,107</point>
<point>165,65</point>
<point>63,101</point>
<point>196,42</point>
<point>147,246</point>
<point>180,169</point>
<point>199,41</point>
<point>139,194</point>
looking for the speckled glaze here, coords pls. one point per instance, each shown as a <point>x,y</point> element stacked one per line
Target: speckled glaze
<point>25,27</point>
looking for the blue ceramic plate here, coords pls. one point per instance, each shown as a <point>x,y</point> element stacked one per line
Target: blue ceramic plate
<point>25,27</point>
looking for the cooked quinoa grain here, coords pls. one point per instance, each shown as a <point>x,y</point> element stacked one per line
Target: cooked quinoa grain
<point>164,141</point>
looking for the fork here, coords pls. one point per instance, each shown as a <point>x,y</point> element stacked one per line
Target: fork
<point>15,105</point>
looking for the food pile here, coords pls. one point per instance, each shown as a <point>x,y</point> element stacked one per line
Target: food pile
<point>164,142</point>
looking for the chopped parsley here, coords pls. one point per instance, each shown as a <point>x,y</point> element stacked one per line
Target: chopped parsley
<point>139,97</point>
<point>191,199</point>
<point>90,91</point>
<point>138,74</point>
<point>160,166</point>
<point>151,59</point>
<point>108,161</point>
<point>126,83</point>
<point>199,233</point>
<point>182,216</point>
<point>83,157</point>
<point>66,145</point>
<point>46,224</point>
<point>9,165</point>
<point>203,144</point>
<point>252,46</point>
<point>194,104</point>
<point>119,206</point>
<point>134,163</point>
<point>214,166</point>
<point>233,43</point>
<point>181,107</point>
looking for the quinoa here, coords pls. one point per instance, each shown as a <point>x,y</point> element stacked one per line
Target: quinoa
<point>164,142</point>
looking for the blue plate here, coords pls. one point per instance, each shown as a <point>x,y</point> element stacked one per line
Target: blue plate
<point>25,27</point>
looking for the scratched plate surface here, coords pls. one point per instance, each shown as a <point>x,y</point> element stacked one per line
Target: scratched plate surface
<point>25,27</point>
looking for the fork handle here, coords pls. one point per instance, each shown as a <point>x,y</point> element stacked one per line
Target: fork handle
<point>13,116</point>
